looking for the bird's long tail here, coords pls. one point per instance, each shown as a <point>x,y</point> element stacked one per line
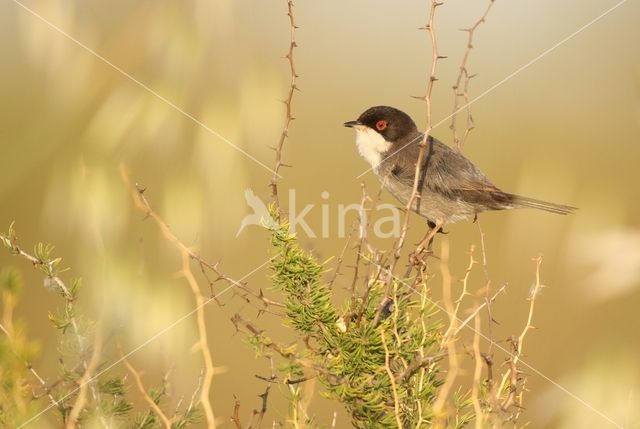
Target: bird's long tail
<point>520,201</point>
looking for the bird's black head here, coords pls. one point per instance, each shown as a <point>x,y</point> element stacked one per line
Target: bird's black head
<point>392,124</point>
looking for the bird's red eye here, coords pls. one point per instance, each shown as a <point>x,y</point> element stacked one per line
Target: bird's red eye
<point>381,125</point>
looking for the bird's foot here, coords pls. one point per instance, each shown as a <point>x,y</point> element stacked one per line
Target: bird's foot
<point>418,257</point>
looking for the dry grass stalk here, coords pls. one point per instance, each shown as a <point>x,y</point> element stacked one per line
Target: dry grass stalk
<point>392,379</point>
<point>477,373</point>
<point>452,353</point>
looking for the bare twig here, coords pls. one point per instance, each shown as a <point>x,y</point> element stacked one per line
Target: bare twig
<point>435,56</point>
<point>486,303</point>
<point>363,227</point>
<point>143,205</point>
<point>511,375</point>
<point>288,103</point>
<point>235,417</point>
<point>463,293</point>
<point>265,395</point>
<point>187,254</point>
<point>463,79</point>
<point>336,271</point>
<point>152,404</point>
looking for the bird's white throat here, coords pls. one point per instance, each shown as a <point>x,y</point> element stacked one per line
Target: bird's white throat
<point>371,145</point>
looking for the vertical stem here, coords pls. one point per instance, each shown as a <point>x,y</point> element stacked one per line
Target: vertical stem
<point>289,107</point>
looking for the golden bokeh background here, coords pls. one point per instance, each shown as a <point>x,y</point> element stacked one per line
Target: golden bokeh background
<point>565,129</point>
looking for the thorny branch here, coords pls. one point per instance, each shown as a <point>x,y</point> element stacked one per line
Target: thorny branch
<point>289,106</point>
<point>512,375</point>
<point>187,254</point>
<point>429,27</point>
<point>143,205</point>
<point>487,291</point>
<point>461,86</point>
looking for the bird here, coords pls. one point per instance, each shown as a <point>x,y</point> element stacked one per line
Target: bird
<point>450,187</point>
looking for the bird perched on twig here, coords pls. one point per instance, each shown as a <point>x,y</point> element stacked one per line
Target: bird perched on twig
<point>450,187</point>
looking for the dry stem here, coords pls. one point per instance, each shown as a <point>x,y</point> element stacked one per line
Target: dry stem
<point>156,409</point>
<point>512,372</point>
<point>423,144</point>
<point>464,74</point>
<point>288,103</point>
<point>187,254</point>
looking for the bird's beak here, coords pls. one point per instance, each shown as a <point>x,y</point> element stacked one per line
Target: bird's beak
<point>352,124</point>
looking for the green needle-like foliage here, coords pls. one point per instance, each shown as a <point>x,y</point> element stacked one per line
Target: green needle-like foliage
<point>377,356</point>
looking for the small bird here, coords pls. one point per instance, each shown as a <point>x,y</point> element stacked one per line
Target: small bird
<point>450,187</point>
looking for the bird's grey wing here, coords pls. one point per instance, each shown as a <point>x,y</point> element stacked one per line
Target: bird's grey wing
<point>448,173</point>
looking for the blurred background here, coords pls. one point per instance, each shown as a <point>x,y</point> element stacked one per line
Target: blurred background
<point>566,129</point>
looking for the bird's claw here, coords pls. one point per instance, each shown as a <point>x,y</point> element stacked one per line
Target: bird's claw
<point>419,257</point>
